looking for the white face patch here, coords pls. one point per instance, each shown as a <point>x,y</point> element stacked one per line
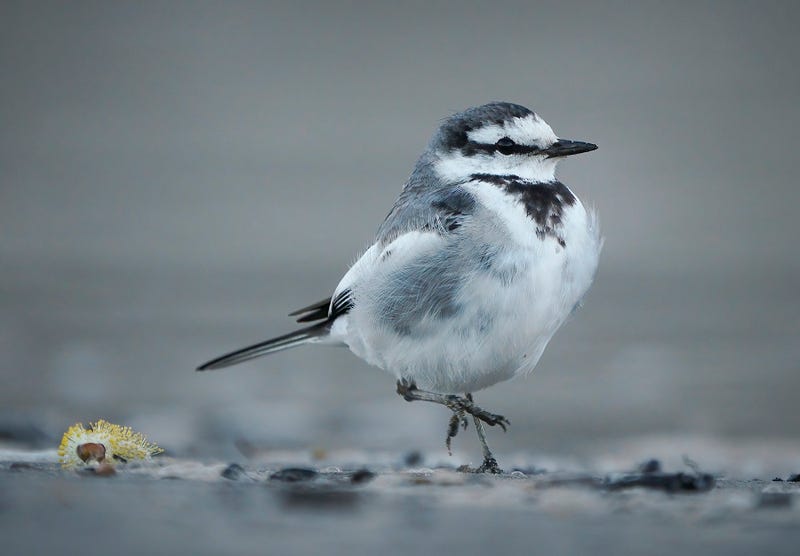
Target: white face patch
<point>530,131</point>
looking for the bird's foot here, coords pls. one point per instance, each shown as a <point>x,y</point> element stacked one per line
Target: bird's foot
<point>489,466</point>
<point>457,404</point>
<point>460,406</point>
<point>465,405</point>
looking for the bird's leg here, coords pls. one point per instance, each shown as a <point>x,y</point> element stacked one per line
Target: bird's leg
<point>460,407</point>
<point>489,464</point>
<point>457,404</point>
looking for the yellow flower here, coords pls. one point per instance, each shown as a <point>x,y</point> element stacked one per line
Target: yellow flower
<point>103,442</point>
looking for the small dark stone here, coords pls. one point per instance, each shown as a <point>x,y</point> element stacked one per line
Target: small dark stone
<point>650,466</point>
<point>21,466</point>
<point>669,482</point>
<point>794,478</point>
<point>700,482</point>
<point>362,476</point>
<point>233,472</point>
<point>294,475</point>
<point>413,459</point>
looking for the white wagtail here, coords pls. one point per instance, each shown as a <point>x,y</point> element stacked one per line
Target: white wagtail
<point>482,258</point>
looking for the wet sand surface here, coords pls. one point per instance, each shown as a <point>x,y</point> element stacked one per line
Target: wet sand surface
<point>352,503</point>
<point>642,372</point>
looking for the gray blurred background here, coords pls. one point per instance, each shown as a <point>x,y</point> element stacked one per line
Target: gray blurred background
<point>176,177</point>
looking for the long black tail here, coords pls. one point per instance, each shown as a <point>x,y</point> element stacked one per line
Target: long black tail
<point>292,339</point>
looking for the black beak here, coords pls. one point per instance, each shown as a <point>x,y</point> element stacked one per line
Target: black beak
<point>564,147</point>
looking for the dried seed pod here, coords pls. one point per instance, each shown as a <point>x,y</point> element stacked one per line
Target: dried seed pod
<point>103,442</point>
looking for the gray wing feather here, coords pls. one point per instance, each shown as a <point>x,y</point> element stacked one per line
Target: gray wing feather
<point>428,289</point>
<point>420,292</point>
<point>442,210</point>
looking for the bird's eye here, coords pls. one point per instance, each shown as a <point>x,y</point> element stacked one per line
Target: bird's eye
<point>505,145</point>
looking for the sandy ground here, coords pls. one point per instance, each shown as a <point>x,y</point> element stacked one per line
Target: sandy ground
<point>358,503</point>
<point>617,388</point>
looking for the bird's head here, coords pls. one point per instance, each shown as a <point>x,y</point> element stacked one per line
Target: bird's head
<point>499,138</point>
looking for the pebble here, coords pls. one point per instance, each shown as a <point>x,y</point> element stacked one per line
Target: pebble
<point>294,475</point>
<point>413,459</point>
<point>650,466</point>
<point>362,476</point>
<point>233,472</point>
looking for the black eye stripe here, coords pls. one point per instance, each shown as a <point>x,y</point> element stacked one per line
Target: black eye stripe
<point>505,149</point>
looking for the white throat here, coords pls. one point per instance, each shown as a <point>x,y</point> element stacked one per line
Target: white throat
<point>455,167</point>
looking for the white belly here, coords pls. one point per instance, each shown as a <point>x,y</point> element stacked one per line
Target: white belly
<point>504,325</point>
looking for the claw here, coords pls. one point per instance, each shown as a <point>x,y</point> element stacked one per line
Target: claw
<point>493,420</point>
<point>452,431</point>
<point>404,388</point>
<point>502,422</point>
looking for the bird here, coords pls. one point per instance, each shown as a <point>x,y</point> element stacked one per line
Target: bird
<point>484,255</point>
